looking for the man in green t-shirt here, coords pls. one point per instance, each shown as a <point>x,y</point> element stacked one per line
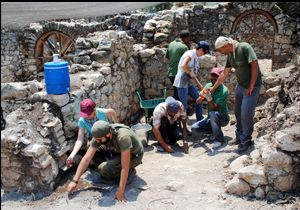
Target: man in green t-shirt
<point>241,56</point>
<point>174,52</point>
<point>217,116</point>
<point>121,139</point>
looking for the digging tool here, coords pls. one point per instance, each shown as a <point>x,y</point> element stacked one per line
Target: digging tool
<point>200,86</point>
<point>185,146</point>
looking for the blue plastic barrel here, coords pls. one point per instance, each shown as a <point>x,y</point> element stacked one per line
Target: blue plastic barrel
<point>57,77</point>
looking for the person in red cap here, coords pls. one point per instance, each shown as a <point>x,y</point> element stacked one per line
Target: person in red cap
<point>217,109</point>
<point>89,114</point>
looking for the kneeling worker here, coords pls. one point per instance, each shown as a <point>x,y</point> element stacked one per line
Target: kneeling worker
<point>167,119</point>
<point>121,139</point>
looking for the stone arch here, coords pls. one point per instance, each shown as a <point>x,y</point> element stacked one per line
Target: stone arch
<point>53,42</point>
<point>258,28</point>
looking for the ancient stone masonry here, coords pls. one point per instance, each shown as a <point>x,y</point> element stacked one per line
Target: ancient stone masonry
<point>35,140</point>
<point>274,165</point>
<point>113,56</point>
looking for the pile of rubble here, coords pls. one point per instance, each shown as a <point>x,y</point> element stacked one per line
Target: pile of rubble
<point>274,166</point>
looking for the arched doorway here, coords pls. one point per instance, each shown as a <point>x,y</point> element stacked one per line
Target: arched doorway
<point>53,42</point>
<point>258,28</point>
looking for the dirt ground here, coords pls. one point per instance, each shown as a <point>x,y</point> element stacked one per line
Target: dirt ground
<point>164,181</point>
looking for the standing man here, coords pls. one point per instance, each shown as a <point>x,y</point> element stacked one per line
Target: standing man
<point>241,56</point>
<point>167,119</point>
<point>217,116</point>
<point>122,140</point>
<point>174,52</point>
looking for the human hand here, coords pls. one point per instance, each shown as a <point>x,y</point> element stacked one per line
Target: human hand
<point>249,90</point>
<point>168,148</point>
<point>120,196</point>
<point>69,161</point>
<point>201,97</point>
<point>208,90</point>
<point>71,186</point>
<point>192,75</point>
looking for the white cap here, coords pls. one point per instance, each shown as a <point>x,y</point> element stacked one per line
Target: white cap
<point>222,41</point>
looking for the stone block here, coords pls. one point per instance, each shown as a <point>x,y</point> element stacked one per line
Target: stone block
<point>33,150</point>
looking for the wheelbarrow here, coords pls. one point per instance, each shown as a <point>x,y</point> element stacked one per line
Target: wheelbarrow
<point>148,105</point>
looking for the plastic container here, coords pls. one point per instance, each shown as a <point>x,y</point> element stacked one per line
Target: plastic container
<point>142,132</point>
<point>57,77</point>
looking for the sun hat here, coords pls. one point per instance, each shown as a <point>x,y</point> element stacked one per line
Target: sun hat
<point>87,107</point>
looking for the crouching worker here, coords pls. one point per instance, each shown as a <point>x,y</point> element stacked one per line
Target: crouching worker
<point>167,119</point>
<point>121,139</point>
<point>217,109</point>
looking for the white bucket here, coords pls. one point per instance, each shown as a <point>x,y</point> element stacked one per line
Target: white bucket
<point>141,131</point>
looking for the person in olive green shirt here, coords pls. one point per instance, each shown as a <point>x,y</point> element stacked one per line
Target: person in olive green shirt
<point>217,116</point>
<point>121,139</point>
<point>241,56</point>
<point>174,52</point>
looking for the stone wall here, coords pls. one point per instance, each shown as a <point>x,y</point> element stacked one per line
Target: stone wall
<point>107,66</point>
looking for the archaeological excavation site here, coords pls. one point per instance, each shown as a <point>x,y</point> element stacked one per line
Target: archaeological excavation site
<point>109,58</point>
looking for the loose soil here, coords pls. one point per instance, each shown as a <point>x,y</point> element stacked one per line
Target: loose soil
<point>164,181</point>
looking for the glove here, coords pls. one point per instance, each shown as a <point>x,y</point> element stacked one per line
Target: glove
<point>208,97</point>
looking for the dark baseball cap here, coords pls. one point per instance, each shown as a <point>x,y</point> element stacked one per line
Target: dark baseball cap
<point>87,107</point>
<point>203,45</point>
<point>172,104</point>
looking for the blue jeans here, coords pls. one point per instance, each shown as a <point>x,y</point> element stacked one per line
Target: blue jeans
<point>192,91</point>
<point>244,112</point>
<point>214,121</point>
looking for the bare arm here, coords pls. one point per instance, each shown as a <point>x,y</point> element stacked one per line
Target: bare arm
<point>185,65</point>
<point>254,74</point>
<point>111,115</point>
<point>221,79</point>
<point>84,163</point>
<point>213,105</point>
<point>77,146</point>
<point>125,162</point>
<point>188,70</point>
<point>160,139</point>
<point>166,59</point>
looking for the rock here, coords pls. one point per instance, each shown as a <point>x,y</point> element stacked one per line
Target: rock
<point>273,91</point>
<point>255,156</point>
<point>254,175</point>
<point>239,163</point>
<point>174,186</point>
<point>259,193</point>
<point>60,100</point>
<point>34,150</point>
<point>277,159</point>
<point>285,183</point>
<point>286,142</point>
<point>237,186</point>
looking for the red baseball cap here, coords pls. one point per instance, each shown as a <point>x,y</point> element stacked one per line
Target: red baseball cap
<point>216,70</point>
<point>87,107</point>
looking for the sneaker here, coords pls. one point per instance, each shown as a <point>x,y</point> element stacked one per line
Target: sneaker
<point>216,144</point>
<point>244,146</point>
<point>131,175</point>
<point>234,142</point>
